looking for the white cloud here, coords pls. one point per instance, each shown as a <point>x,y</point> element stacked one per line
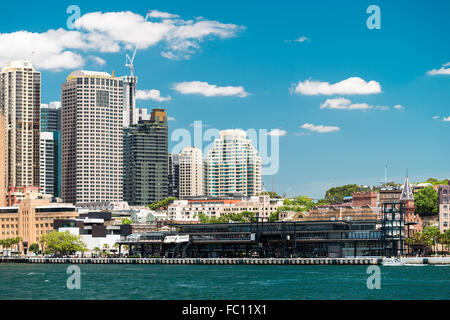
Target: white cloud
<point>162,15</point>
<point>97,60</point>
<point>344,104</point>
<point>441,71</point>
<point>435,117</point>
<point>171,119</point>
<point>447,119</point>
<point>208,90</point>
<point>300,134</point>
<point>111,32</point>
<point>277,133</point>
<point>53,104</point>
<point>152,94</point>
<point>299,39</point>
<point>353,85</point>
<point>319,128</point>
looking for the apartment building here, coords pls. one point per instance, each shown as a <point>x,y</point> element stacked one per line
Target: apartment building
<point>233,165</point>
<point>190,172</point>
<point>3,161</point>
<point>189,209</point>
<point>444,207</point>
<point>20,102</point>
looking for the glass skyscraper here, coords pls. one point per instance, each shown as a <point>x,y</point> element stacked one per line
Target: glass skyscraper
<point>145,159</point>
<point>50,153</point>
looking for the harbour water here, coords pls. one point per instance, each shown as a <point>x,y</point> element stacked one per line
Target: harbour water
<point>223,282</point>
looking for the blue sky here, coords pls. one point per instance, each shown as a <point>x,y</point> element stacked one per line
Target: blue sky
<point>249,46</point>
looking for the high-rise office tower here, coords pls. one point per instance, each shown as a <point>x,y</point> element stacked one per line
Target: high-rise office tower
<point>233,166</point>
<point>130,113</point>
<point>20,102</point>
<point>146,160</point>
<point>174,175</point>
<point>49,162</point>
<point>92,137</point>
<point>51,117</point>
<point>51,148</point>
<point>191,172</point>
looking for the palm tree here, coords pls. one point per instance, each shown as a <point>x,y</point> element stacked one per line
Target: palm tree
<point>97,250</point>
<point>7,243</point>
<point>105,248</point>
<point>16,242</point>
<point>2,243</point>
<point>116,247</point>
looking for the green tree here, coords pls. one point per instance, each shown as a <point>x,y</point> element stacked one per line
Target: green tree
<point>426,201</point>
<point>271,194</point>
<point>445,238</point>
<point>105,248</point>
<point>127,221</point>
<point>97,250</point>
<point>432,236</point>
<point>161,204</point>
<point>9,242</point>
<point>34,247</point>
<point>61,243</point>
<point>337,194</point>
<point>322,202</point>
<point>274,216</point>
<point>242,217</point>
<point>436,182</point>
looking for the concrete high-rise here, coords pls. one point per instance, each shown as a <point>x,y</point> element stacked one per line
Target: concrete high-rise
<point>191,172</point>
<point>233,166</point>
<point>20,102</point>
<point>146,160</point>
<point>92,137</point>
<point>130,113</point>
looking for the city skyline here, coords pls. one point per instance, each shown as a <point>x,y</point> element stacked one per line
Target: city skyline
<point>343,106</point>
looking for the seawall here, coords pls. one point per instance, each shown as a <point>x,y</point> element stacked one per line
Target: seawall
<point>225,261</point>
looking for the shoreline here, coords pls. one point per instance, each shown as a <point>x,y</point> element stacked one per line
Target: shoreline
<point>230,261</point>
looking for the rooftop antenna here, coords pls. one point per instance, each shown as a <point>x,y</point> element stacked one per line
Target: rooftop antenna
<point>129,62</point>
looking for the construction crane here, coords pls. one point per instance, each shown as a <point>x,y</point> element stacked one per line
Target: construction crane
<point>129,62</point>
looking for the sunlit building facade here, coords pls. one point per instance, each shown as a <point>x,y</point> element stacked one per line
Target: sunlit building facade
<point>233,166</point>
<point>92,137</point>
<point>20,102</point>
